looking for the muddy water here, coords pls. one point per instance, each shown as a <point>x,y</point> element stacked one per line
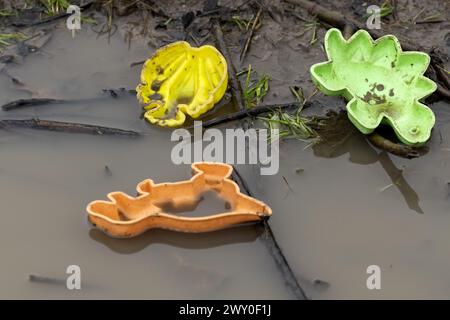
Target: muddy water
<point>342,207</point>
<point>336,216</point>
<point>336,211</point>
<point>48,179</point>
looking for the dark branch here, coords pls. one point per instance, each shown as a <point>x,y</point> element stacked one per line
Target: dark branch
<point>66,127</point>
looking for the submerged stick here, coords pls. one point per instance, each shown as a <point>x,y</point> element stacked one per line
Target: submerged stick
<point>273,247</point>
<point>47,280</point>
<point>23,103</point>
<point>235,85</point>
<point>71,127</point>
<point>394,148</point>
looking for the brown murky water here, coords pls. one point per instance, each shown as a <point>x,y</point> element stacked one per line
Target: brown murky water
<point>336,211</point>
<point>48,179</point>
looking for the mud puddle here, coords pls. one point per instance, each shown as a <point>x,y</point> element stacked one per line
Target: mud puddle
<point>48,179</point>
<point>337,209</point>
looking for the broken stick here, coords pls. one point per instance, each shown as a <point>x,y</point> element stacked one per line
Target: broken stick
<point>66,127</point>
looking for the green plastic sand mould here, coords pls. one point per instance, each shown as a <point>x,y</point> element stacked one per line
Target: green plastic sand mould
<point>382,84</point>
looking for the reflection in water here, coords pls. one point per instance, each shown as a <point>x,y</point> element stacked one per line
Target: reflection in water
<point>340,137</point>
<point>239,234</point>
<point>208,203</point>
<point>195,275</point>
<point>396,175</point>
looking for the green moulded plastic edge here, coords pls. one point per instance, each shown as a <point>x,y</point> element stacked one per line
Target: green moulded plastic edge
<point>381,83</point>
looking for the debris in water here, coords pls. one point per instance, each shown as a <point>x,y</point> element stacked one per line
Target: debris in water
<point>125,216</point>
<point>375,96</point>
<point>178,80</point>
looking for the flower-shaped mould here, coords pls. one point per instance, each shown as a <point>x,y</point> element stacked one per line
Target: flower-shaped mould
<point>178,80</point>
<point>381,82</point>
<point>125,216</point>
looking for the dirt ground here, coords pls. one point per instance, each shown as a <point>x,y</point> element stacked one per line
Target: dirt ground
<point>339,206</point>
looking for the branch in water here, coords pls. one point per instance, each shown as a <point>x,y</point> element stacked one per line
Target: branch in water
<point>394,148</point>
<point>23,103</point>
<point>241,114</point>
<point>66,127</point>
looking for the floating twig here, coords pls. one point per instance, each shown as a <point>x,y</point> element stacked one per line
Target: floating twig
<point>47,280</point>
<point>66,127</point>
<point>33,102</point>
<point>137,63</point>
<point>23,103</point>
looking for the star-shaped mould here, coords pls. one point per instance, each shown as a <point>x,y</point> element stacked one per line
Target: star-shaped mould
<point>382,83</point>
<point>125,216</point>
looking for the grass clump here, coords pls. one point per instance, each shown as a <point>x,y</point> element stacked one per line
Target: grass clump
<point>7,39</point>
<point>242,24</point>
<point>292,125</point>
<point>53,7</point>
<point>6,13</point>
<point>255,87</point>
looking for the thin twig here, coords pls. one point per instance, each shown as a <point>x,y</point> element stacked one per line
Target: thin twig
<point>33,102</point>
<point>45,279</point>
<point>250,35</point>
<point>274,247</point>
<point>241,114</point>
<point>429,21</point>
<point>137,63</point>
<point>348,31</point>
<point>235,85</point>
<point>23,103</point>
<point>66,127</point>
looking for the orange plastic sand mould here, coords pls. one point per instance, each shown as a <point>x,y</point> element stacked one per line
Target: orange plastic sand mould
<point>125,216</point>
